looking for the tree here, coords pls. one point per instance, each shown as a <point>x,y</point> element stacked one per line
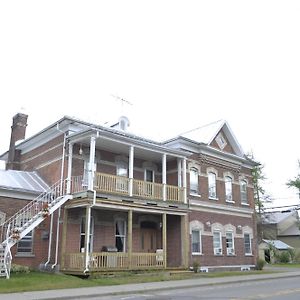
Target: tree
<point>296,181</point>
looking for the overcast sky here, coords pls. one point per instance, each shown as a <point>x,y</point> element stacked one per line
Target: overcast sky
<point>181,64</point>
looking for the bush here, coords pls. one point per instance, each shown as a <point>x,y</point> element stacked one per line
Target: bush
<point>196,266</point>
<point>17,269</point>
<point>260,264</point>
<point>284,257</point>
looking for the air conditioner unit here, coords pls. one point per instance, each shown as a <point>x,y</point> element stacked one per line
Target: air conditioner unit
<point>230,251</point>
<point>218,251</point>
<point>229,198</point>
<point>212,195</point>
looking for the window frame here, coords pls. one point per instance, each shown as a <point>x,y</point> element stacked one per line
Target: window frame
<point>228,189</point>
<point>199,242</point>
<point>246,244</point>
<point>123,236</point>
<point>230,249</point>
<point>28,238</point>
<point>217,244</point>
<point>83,234</point>
<point>244,192</point>
<point>212,185</point>
<point>195,185</point>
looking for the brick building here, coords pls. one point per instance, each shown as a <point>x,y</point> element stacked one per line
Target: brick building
<point>111,200</point>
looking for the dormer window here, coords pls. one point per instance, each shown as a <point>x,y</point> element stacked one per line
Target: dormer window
<point>221,141</point>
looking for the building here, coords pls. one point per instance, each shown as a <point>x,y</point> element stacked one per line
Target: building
<point>112,200</point>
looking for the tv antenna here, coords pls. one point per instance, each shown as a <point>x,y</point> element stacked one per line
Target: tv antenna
<point>122,101</point>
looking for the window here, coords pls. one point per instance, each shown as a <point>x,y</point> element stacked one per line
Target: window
<point>149,175</point>
<point>221,141</point>
<point>247,244</point>
<point>212,189</point>
<point>243,187</point>
<point>228,189</point>
<point>196,241</point>
<point>120,235</point>
<point>217,242</point>
<point>229,243</point>
<point>82,235</point>
<point>122,183</point>
<point>194,181</point>
<point>25,245</point>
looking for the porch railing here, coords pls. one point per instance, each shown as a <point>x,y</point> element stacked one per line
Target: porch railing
<point>149,190</point>
<point>113,261</point>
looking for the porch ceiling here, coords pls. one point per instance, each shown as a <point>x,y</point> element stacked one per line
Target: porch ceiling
<point>123,148</point>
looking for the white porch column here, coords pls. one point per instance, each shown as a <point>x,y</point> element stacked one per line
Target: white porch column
<point>70,159</point>
<point>179,172</point>
<point>184,180</point>
<point>87,236</point>
<point>131,160</point>
<point>91,163</point>
<point>164,175</point>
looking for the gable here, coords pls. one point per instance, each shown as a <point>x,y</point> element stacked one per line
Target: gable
<point>222,143</point>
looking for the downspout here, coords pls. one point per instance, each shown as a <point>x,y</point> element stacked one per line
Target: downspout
<point>59,209</point>
<point>50,242</point>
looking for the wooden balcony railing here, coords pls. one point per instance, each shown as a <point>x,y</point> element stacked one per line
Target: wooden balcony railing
<point>113,261</point>
<point>149,190</point>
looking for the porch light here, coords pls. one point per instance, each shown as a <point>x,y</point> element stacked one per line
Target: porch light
<point>80,150</point>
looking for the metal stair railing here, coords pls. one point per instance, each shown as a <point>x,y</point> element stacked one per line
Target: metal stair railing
<point>12,228</point>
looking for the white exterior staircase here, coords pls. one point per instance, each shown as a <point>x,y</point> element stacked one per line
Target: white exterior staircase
<point>27,218</point>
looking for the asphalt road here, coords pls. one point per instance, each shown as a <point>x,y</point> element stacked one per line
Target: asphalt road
<point>275,289</point>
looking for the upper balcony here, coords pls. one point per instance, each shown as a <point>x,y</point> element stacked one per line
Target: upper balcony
<point>119,164</point>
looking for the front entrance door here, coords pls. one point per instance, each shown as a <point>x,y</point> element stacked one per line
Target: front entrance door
<point>148,240</point>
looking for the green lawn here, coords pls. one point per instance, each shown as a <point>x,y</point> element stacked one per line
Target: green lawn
<point>34,281</point>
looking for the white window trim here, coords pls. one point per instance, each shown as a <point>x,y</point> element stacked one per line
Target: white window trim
<point>194,193</point>
<point>200,240</point>
<point>218,250</point>
<point>250,238</point>
<point>231,180</point>
<point>215,187</point>
<point>233,246</point>
<point>125,231</point>
<point>243,180</point>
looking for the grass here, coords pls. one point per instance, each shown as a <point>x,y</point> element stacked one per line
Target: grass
<point>34,281</point>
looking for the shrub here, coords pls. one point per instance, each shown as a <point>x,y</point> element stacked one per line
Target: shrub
<point>17,269</point>
<point>260,264</point>
<point>284,257</point>
<point>196,266</point>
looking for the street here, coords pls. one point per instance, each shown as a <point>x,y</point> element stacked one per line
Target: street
<point>275,289</point>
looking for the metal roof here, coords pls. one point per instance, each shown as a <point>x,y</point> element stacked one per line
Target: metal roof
<point>22,181</point>
<point>279,245</point>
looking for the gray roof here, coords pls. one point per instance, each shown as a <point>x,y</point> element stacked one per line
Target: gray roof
<point>279,245</point>
<point>22,181</point>
<point>276,217</point>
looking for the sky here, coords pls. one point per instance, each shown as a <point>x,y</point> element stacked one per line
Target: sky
<point>180,65</point>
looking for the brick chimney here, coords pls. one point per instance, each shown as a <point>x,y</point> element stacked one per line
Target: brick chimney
<point>18,130</point>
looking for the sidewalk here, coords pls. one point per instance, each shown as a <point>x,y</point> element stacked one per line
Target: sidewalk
<point>83,293</point>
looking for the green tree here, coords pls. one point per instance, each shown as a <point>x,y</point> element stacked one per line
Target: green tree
<point>296,181</point>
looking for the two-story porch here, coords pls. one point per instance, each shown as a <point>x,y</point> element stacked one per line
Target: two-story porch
<point>129,209</point>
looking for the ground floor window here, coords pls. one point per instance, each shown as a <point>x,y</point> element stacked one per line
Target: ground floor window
<point>217,242</point>
<point>247,243</point>
<point>120,235</point>
<point>229,243</point>
<point>196,241</point>
<point>25,245</point>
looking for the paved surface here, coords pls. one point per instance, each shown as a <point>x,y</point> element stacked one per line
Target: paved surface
<point>82,293</point>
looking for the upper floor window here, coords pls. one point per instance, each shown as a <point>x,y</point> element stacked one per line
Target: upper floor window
<point>122,169</point>
<point>228,189</point>
<point>196,241</point>
<point>194,181</point>
<point>243,188</point>
<point>247,244</point>
<point>217,242</point>
<point>229,243</point>
<point>212,185</point>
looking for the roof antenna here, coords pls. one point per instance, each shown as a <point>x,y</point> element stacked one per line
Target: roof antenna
<point>122,101</point>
